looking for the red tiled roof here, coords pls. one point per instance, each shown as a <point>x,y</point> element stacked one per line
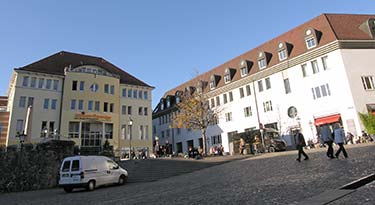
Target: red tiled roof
<point>56,63</point>
<point>331,26</point>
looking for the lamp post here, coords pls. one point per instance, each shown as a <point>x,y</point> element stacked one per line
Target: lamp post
<point>130,137</point>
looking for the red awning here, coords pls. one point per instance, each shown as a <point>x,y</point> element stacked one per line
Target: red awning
<point>327,119</point>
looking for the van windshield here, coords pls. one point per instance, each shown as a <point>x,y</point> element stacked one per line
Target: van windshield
<point>66,166</point>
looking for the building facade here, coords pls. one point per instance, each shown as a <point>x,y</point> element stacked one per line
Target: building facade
<point>80,98</point>
<point>317,73</point>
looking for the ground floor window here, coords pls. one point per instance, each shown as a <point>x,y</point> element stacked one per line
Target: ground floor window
<point>92,139</point>
<point>73,129</point>
<point>108,131</point>
<point>216,139</point>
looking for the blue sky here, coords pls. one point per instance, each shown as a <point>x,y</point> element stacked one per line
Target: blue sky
<point>162,42</point>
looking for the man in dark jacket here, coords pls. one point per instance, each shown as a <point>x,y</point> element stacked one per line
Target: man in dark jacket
<point>300,144</point>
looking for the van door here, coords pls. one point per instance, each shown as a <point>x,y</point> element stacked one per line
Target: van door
<point>70,172</point>
<point>113,173</point>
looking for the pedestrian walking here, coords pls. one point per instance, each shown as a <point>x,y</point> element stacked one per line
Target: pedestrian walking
<point>300,145</point>
<point>327,138</point>
<point>349,138</point>
<point>339,140</point>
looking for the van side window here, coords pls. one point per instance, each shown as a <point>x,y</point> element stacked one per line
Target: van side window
<point>66,166</point>
<point>75,165</point>
<point>111,164</point>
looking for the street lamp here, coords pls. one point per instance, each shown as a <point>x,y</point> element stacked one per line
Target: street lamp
<point>130,137</point>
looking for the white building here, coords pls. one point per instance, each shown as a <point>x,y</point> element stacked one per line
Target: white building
<point>320,72</point>
<point>81,98</point>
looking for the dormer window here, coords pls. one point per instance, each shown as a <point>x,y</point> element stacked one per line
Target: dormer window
<point>178,97</point>
<point>310,42</point>
<point>263,59</point>
<point>162,104</point>
<point>283,50</point>
<point>282,54</point>
<point>262,63</point>
<point>168,102</point>
<point>311,38</point>
<point>227,77</point>
<point>212,82</point>
<point>369,27</point>
<point>244,67</point>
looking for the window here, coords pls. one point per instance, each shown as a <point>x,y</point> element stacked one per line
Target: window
<point>25,81</point>
<point>123,110</point>
<point>124,92</point>
<point>145,111</point>
<point>243,71</point>
<point>260,85</point>
<point>74,85</point>
<point>80,104</point>
<point>267,106</point>
<point>33,82</point>
<point>73,104</point>
<point>75,165</point>
<point>227,77</point>
<point>51,126</point>
<point>212,82</point>
<point>228,116</point>
<point>135,93</point>
<point>146,132</point>
<point>66,166</point>
<point>225,98</point>
<point>94,87</point>
<point>145,95</point>
<point>321,91</point>
<point>22,102</point>
<point>140,94</point>
<point>30,101</point>
<point>55,84</point>
<point>368,82</point>
<point>212,102</point>
<point>41,83</point>
<point>217,100</point>
<point>262,63</point>
<point>241,93</point>
<point>230,96</point>
<point>129,110</point>
<point>112,90</point>
<point>287,85</point>
<point>106,88</point>
<point>90,104</point>
<point>325,62</point>
<point>19,126</point>
<point>304,71</point>
<point>310,42</point>
<point>43,128</point>
<point>141,132</point>
<point>216,139</point>
<point>247,111</point>
<point>268,83</point>
<point>108,131</point>
<point>53,104</point>
<point>46,103</point>
<point>97,106</point>
<point>81,85</point>
<point>73,130</point>
<point>130,93</point>
<point>140,111</point>
<point>111,107</point>
<point>315,67</point>
<point>48,84</point>
<point>105,107</point>
<point>282,55</point>
<point>248,90</point>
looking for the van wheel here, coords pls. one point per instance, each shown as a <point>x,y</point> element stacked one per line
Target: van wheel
<point>271,149</point>
<point>122,180</point>
<point>91,185</point>
<point>68,189</point>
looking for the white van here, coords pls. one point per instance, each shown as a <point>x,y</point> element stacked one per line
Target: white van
<point>90,172</point>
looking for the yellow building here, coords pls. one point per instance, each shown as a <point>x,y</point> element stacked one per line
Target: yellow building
<point>81,98</point>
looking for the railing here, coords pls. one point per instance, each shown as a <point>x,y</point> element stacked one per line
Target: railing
<point>91,70</point>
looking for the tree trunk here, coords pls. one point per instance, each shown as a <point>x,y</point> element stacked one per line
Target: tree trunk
<point>203,131</point>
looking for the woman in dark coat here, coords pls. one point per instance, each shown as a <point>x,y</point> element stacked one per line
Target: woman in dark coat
<point>300,144</point>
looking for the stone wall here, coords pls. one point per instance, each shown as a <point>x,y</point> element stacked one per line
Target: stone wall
<point>34,166</point>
